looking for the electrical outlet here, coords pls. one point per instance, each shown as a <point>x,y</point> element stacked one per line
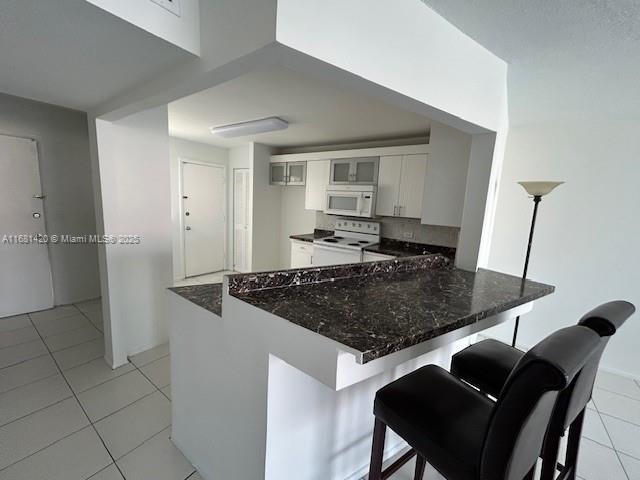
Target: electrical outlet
<point>407,235</point>
<point>171,5</point>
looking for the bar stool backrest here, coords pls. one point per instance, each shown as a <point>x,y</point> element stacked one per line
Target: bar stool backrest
<point>605,320</point>
<point>522,413</point>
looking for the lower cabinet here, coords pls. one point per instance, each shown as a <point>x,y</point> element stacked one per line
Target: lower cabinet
<point>375,257</point>
<point>301,254</point>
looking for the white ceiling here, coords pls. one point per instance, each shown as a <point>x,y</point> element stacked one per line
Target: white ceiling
<point>567,58</point>
<point>318,113</point>
<point>71,53</point>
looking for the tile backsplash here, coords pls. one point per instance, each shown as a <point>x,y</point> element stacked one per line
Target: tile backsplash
<point>396,228</point>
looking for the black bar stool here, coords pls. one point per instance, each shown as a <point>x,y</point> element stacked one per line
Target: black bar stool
<point>461,432</point>
<point>487,365</point>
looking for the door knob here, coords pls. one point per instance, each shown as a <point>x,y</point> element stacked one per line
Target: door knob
<point>188,228</point>
<point>36,215</point>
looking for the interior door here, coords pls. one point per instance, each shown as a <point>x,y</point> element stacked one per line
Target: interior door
<point>241,228</point>
<point>388,185</point>
<point>414,172</point>
<point>203,214</point>
<point>25,275</point>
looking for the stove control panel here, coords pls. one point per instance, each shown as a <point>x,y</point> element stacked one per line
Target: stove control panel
<point>357,225</point>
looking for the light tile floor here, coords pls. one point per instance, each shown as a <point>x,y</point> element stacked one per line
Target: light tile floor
<point>65,415</point>
<point>203,279</point>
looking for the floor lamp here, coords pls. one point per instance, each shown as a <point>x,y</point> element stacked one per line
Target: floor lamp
<point>537,190</point>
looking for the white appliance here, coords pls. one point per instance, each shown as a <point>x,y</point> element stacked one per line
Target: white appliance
<point>347,242</point>
<point>351,200</point>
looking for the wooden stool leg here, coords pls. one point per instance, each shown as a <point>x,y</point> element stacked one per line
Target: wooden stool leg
<point>420,465</point>
<point>377,450</point>
<point>550,456</point>
<point>573,446</point>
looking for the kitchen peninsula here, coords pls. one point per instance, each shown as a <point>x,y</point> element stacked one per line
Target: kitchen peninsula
<point>280,383</point>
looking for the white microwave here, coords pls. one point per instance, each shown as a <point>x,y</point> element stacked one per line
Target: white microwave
<point>351,200</point>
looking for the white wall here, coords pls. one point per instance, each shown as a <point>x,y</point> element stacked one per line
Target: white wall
<point>182,30</point>
<point>134,168</point>
<point>586,239</point>
<point>265,250</point>
<point>409,49</point>
<point>402,45</point>
<point>65,172</point>
<point>187,150</point>
<point>294,220</point>
<point>447,166</point>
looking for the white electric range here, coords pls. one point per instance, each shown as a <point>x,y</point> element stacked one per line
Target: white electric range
<point>350,237</point>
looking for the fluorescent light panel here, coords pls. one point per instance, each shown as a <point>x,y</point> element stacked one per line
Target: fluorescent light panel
<point>253,127</point>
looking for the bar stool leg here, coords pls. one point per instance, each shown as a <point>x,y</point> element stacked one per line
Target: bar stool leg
<point>573,446</point>
<point>420,466</point>
<point>550,456</point>
<point>377,450</point>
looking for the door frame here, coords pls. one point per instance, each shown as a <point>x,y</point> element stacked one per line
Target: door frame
<point>249,209</point>
<point>181,242</point>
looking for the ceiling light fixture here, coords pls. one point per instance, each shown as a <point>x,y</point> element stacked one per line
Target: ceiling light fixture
<point>253,127</point>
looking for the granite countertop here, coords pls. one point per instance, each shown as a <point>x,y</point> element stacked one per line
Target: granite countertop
<point>207,296</point>
<point>400,248</point>
<point>384,307</point>
<point>310,237</point>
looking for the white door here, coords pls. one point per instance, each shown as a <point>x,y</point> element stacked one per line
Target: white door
<point>414,172</point>
<point>25,273</point>
<point>388,185</point>
<point>241,228</point>
<point>203,217</point>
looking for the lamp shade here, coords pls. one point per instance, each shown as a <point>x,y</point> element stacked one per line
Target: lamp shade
<point>539,189</point>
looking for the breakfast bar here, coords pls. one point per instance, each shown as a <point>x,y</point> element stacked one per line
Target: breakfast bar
<point>276,379</point>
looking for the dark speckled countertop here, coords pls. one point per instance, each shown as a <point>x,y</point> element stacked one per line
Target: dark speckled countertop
<point>386,306</point>
<point>207,296</point>
<point>399,248</point>
<point>310,237</point>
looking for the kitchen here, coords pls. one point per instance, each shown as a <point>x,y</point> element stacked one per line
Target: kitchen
<point>362,255</point>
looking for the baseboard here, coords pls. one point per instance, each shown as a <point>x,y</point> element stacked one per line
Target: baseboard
<point>391,455</point>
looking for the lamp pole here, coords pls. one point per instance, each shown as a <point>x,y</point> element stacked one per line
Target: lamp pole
<point>536,202</point>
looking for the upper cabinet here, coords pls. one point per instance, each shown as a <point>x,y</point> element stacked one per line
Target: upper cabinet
<point>289,173</point>
<point>317,182</point>
<point>361,170</point>
<point>401,181</point>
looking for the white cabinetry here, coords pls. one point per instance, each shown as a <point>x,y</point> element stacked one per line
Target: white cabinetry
<point>375,257</point>
<point>317,181</point>
<point>401,180</point>
<point>361,171</point>
<point>301,254</point>
<point>291,173</point>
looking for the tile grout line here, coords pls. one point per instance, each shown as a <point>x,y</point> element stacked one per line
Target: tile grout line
<point>104,445</point>
<point>25,360</point>
<point>614,446</point>
<point>31,382</point>
<point>19,343</point>
<point>36,411</point>
<point>618,393</point>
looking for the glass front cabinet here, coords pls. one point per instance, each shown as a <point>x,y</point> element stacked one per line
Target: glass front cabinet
<point>288,173</point>
<point>358,171</point>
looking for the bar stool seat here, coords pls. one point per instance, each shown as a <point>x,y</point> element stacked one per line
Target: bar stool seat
<point>486,365</point>
<point>437,413</point>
